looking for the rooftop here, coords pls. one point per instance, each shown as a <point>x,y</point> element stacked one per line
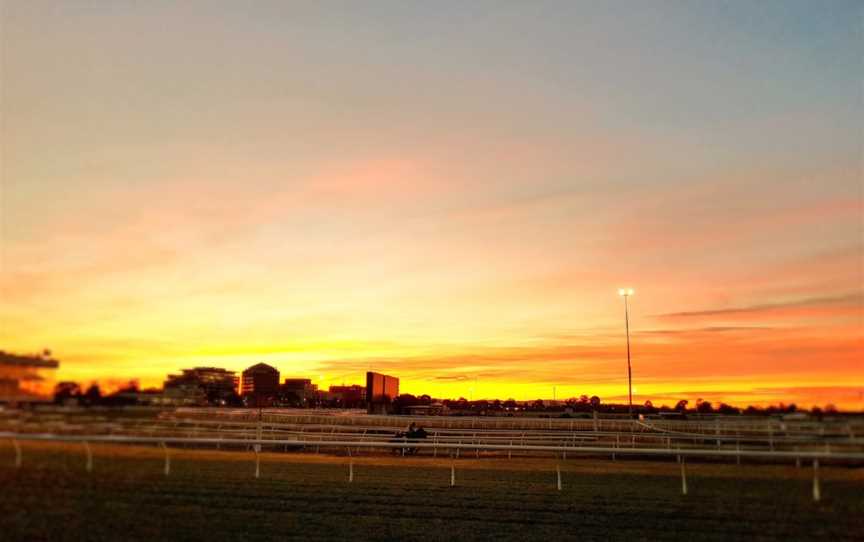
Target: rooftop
<point>7,358</point>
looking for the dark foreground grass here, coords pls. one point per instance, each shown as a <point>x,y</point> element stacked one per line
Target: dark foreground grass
<point>213,496</point>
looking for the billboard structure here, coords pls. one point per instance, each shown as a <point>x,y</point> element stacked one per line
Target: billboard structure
<point>381,390</point>
<point>26,378</point>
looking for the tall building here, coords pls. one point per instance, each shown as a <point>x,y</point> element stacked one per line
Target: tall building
<point>202,385</point>
<point>26,378</point>
<point>260,385</point>
<point>381,390</point>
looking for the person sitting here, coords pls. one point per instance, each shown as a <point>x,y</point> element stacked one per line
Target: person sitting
<point>414,436</point>
<point>398,437</point>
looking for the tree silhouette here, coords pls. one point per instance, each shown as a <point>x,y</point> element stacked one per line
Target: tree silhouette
<point>93,395</point>
<point>64,391</point>
<point>704,407</point>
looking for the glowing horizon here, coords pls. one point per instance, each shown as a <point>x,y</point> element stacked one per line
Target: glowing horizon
<point>440,195</point>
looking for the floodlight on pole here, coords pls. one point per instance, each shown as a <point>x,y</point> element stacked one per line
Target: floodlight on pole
<point>626,293</point>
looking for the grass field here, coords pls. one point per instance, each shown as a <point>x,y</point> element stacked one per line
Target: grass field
<point>212,495</point>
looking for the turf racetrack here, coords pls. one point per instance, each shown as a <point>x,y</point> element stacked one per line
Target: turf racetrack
<point>213,495</point>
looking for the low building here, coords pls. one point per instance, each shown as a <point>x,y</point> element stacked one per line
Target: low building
<point>349,396</point>
<point>299,392</point>
<point>260,385</point>
<point>434,409</point>
<point>26,378</point>
<point>202,386</point>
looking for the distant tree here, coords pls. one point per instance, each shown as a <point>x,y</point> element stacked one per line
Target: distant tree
<point>66,391</point>
<point>131,386</point>
<point>649,407</point>
<point>704,407</point>
<point>584,399</point>
<point>723,408</point>
<point>538,405</point>
<point>595,402</point>
<point>752,411</point>
<point>405,400</point>
<point>681,405</point>
<point>816,412</point>
<point>509,404</point>
<point>93,395</point>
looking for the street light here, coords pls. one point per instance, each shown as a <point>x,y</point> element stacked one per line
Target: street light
<point>626,293</point>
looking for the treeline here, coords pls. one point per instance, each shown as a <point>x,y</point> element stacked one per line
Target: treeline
<point>72,393</point>
<point>588,405</point>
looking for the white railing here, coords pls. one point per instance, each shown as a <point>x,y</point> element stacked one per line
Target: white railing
<point>257,444</point>
<point>409,443</point>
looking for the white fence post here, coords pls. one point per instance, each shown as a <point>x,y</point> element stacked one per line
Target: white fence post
<point>89,453</point>
<point>257,463</point>
<point>683,475</point>
<point>18,455</point>
<point>558,472</point>
<point>452,474</point>
<point>350,471</point>
<point>817,493</point>
<point>167,459</point>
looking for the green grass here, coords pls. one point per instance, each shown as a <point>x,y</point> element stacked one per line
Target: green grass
<point>215,497</point>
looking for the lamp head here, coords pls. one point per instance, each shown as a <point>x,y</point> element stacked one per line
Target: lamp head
<point>624,292</point>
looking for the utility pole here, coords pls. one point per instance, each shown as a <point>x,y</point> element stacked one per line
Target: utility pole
<point>626,293</point>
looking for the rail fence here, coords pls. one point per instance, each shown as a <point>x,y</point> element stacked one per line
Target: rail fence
<point>453,449</point>
<point>321,429</point>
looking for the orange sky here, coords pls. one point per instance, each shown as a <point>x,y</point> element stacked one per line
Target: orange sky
<point>455,203</point>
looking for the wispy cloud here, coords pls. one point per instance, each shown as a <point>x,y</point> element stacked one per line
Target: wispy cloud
<point>851,300</point>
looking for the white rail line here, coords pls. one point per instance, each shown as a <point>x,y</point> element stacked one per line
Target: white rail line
<point>683,452</point>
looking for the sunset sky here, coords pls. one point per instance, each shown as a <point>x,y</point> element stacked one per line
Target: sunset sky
<point>449,192</point>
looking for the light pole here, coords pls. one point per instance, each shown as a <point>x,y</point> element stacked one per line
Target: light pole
<point>626,293</point>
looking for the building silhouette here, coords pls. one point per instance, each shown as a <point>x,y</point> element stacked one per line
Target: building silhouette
<point>26,378</point>
<point>260,385</point>
<point>353,396</point>
<point>299,392</point>
<point>381,390</point>
<point>202,386</point>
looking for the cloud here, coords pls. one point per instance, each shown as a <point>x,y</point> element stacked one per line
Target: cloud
<point>851,300</point>
<point>709,329</point>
